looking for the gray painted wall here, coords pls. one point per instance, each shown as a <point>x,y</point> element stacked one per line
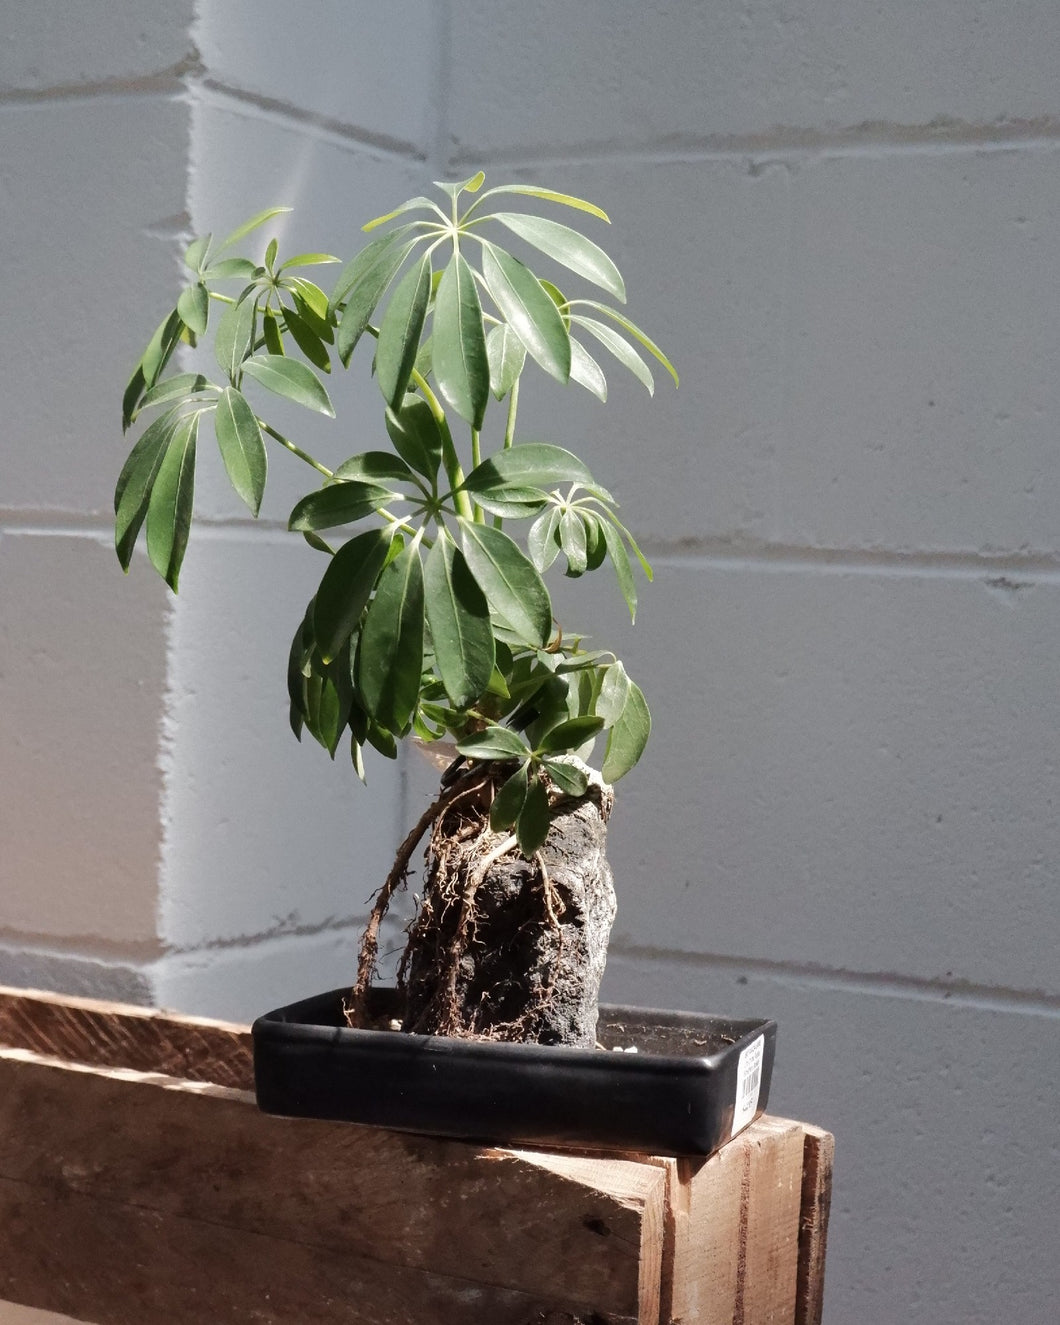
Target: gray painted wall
<point>843,220</point>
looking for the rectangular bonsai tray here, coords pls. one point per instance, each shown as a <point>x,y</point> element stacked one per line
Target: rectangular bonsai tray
<point>694,1082</point>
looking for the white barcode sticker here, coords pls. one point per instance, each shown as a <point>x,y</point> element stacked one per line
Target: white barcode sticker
<point>748,1084</point>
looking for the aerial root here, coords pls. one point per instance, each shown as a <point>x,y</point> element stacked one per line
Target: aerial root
<point>354,1007</point>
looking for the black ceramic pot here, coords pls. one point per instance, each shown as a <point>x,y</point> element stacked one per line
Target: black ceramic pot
<point>693,1082</point>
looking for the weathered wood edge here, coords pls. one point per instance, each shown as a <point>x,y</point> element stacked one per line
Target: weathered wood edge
<point>818,1161</point>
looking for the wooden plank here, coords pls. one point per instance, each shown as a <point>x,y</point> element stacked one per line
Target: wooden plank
<point>638,1182</point>
<point>818,1159</point>
<point>734,1231</point>
<point>103,1034</point>
<point>705,1205</point>
<point>769,1230</point>
<point>552,1239</point>
<point>147,1160</point>
<point>123,1266</point>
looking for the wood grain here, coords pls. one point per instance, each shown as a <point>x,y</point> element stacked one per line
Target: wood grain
<point>137,1267</point>
<point>735,1221</point>
<point>769,1265</point>
<point>103,1034</point>
<point>184,1156</point>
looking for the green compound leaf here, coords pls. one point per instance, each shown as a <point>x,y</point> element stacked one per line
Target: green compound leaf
<point>633,331</point>
<point>549,195</point>
<point>307,340</point>
<point>234,338</point>
<point>623,569</point>
<point>566,777</point>
<point>308,260</point>
<point>400,331</point>
<point>289,378</point>
<point>363,282</point>
<point>542,540</point>
<point>471,185</point>
<point>270,330</point>
<point>511,502</point>
<point>614,693</point>
<point>170,508</point>
<point>231,268</point>
<point>586,371</point>
<point>626,355</point>
<point>155,357</point>
<point>568,247</point>
<point>511,583</point>
<point>507,356</point>
<point>495,742</point>
<point>193,305</point>
<point>528,310</point>
<point>247,227</point>
<point>416,436</point>
<point>179,387</point>
<point>345,589</point>
<point>529,465</point>
<point>195,254</point>
<point>509,800</point>
<point>242,447</point>
<point>419,204</point>
<point>573,541</point>
<point>339,503</point>
<point>628,736</point>
<point>570,735</point>
<point>390,656</point>
<point>459,618</point>
<point>458,343</point>
<point>133,491</point>
<point>373,466</point>
<point>312,305</point>
<point>534,820</point>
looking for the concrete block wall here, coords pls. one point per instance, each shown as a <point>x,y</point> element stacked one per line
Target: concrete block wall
<point>94,137</point>
<point>841,220</point>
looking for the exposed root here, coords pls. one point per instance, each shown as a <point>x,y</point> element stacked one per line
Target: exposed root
<point>465,924</point>
<point>502,946</point>
<point>369,951</point>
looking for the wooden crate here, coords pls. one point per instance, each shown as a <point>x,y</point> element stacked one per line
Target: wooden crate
<point>139,1184</point>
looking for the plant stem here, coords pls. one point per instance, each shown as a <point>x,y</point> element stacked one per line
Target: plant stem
<point>295,450</point>
<point>476,460</point>
<point>509,433</point>
<point>513,409</point>
<point>450,458</point>
<point>397,522</point>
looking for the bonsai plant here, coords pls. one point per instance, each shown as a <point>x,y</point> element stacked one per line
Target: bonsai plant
<point>432,619</point>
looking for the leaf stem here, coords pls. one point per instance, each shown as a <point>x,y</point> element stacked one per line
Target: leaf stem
<point>397,522</point>
<point>476,460</point>
<point>509,433</point>
<point>513,409</point>
<point>295,450</point>
<point>450,459</point>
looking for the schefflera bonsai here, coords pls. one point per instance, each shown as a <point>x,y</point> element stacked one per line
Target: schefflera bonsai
<point>432,619</point>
